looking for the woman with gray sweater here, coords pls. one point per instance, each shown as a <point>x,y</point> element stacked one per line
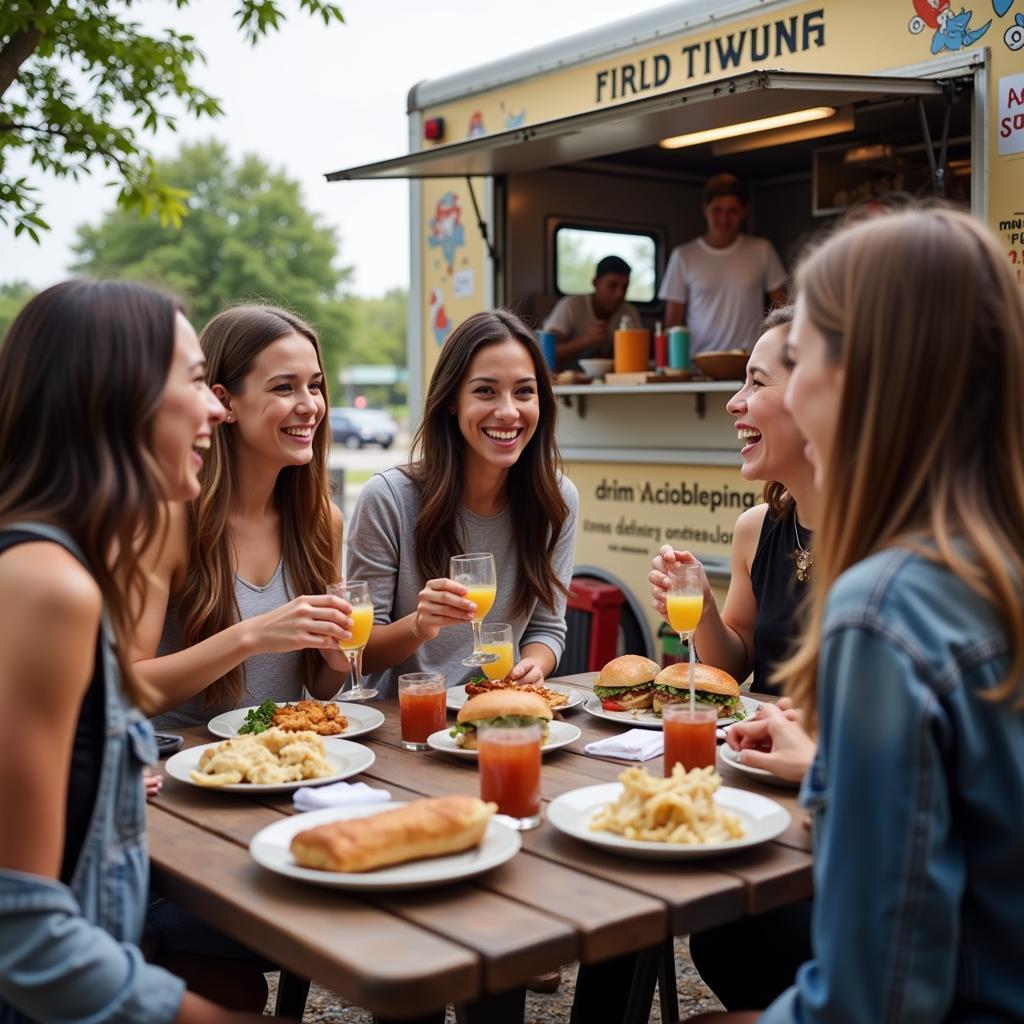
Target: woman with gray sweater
<point>485,477</point>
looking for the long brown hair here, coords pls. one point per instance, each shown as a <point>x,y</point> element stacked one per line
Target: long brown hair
<point>82,373</point>
<point>539,511</point>
<point>207,605</point>
<point>920,312</point>
<point>780,501</point>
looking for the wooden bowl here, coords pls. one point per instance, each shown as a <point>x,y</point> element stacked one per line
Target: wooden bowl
<point>730,365</point>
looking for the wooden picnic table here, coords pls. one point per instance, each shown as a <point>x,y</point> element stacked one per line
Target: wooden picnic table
<point>408,953</point>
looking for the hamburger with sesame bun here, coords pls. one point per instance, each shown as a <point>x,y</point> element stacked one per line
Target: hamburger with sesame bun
<point>626,683</point>
<point>711,686</point>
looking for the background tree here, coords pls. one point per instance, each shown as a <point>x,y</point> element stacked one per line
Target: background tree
<point>247,236</point>
<point>13,295</point>
<point>379,328</point>
<point>78,79</point>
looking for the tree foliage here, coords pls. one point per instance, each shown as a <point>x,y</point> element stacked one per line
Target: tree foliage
<point>247,236</point>
<point>79,79</point>
<point>380,327</point>
<point>13,295</point>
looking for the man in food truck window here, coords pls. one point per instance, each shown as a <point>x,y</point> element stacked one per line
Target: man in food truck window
<point>717,283</point>
<point>585,323</point>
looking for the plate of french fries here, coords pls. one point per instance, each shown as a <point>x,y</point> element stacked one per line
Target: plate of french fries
<point>687,815</point>
<point>273,761</point>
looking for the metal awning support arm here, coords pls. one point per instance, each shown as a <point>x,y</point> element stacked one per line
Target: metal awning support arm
<point>937,167</point>
<point>482,224</point>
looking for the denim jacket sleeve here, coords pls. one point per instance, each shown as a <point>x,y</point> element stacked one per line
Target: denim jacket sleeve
<point>889,872</point>
<point>57,967</point>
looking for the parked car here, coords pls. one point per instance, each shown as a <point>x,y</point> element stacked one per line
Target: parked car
<point>355,428</point>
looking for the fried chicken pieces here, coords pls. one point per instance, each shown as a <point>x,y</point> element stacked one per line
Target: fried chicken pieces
<point>552,698</point>
<point>310,716</point>
<point>268,758</point>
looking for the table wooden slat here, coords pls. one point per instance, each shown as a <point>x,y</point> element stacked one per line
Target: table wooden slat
<point>370,956</point>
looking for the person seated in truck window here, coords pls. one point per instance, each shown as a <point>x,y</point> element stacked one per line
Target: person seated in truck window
<point>717,283</point>
<point>585,323</point>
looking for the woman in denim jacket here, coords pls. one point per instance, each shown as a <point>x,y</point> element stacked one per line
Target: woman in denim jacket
<point>908,347</point>
<point>102,408</point>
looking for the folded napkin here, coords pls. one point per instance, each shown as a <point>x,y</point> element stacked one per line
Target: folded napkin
<point>633,745</point>
<point>340,794</point>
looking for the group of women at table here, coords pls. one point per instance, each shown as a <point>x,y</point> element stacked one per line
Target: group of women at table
<point>167,537</point>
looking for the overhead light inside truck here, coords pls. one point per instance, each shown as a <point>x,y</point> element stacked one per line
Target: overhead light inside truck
<point>761,124</point>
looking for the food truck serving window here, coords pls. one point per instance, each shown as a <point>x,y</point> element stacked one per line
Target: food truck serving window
<point>578,250</point>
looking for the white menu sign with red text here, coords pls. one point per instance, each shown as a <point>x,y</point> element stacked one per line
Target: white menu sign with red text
<point>1011,114</point>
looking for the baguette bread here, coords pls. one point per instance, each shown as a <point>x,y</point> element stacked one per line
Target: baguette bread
<point>424,828</point>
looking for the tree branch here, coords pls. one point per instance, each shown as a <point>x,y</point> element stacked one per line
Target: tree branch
<point>19,48</point>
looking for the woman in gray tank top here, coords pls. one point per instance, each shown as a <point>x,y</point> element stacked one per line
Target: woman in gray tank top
<point>236,611</point>
<point>486,479</point>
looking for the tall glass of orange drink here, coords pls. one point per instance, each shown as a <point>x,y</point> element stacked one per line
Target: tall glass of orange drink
<point>421,707</point>
<point>357,594</point>
<point>496,638</point>
<point>690,735</point>
<point>477,574</point>
<point>510,772</point>
<point>685,605</point>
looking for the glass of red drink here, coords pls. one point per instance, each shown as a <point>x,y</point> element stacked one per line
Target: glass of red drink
<point>421,707</point>
<point>690,735</point>
<point>510,772</point>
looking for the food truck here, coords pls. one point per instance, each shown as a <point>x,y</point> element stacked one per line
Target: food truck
<point>519,165</point>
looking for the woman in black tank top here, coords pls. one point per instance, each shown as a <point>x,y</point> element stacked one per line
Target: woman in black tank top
<point>771,554</point>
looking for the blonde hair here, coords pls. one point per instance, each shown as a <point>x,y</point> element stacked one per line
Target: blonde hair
<point>919,310</point>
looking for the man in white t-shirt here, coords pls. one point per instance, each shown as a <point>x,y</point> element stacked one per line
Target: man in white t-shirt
<point>717,283</point>
<point>585,323</point>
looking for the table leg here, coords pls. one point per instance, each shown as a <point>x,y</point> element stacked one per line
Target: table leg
<point>291,996</point>
<point>667,994</point>
<point>641,992</point>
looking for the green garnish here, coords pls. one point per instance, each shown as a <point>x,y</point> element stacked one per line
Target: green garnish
<point>258,719</point>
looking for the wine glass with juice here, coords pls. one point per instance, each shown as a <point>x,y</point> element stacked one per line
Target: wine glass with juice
<point>477,574</point>
<point>357,594</point>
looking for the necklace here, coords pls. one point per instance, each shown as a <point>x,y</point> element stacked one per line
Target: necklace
<point>804,558</point>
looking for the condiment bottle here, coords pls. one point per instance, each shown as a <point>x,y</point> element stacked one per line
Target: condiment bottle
<point>679,348</point>
<point>632,348</point>
<point>660,347</point>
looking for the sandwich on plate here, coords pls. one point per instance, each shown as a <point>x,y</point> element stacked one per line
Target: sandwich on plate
<point>508,708</point>
<point>711,686</point>
<point>626,683</point>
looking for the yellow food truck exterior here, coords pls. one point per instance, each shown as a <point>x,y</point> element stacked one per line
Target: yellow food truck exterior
<point>927,96</point>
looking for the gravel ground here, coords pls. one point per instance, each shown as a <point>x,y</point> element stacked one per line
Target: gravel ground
<point>324,1007</point>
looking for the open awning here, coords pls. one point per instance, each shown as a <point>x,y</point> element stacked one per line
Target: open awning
<point>640,123</point>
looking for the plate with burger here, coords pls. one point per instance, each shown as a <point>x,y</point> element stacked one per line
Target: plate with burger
<point>499,708</point>
<point>558,698</point>
<point>632,690</point>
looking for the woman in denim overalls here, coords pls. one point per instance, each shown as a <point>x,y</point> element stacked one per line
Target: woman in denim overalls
<point>102,408</point>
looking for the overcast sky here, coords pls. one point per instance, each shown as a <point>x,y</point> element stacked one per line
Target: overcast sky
<point>313,99</point>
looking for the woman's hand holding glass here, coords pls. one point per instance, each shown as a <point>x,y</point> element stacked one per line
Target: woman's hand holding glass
<point>313,620</point>
<point>661,566</point>
<point>441,603</point>
<point>775,740</point>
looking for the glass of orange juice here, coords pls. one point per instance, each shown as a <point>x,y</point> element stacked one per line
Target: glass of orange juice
<point>357,594</point>
<point>496,638</point>
<point>690,735</point>
<point>421,707</point>
<point>477,574</point>
<point>509,758</point>
<point>685,604</point>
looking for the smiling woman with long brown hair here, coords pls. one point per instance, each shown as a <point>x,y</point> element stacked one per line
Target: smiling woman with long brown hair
<point>236,611</point>
<point>908,347</point>
<point>487,478</point>
<point>102,408</point>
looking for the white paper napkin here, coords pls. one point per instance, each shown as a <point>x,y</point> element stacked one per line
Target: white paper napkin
<point>340,794</point>
<point>633,745</point>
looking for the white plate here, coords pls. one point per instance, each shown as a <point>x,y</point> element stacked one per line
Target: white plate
<point>646,718</point>
<point>271,848</point>
<point>572,812</point>
<point>347,759</point>
<point>457,697</point>
<point>729,756</point>
<point>560,734</point>
<point>361,719</point>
